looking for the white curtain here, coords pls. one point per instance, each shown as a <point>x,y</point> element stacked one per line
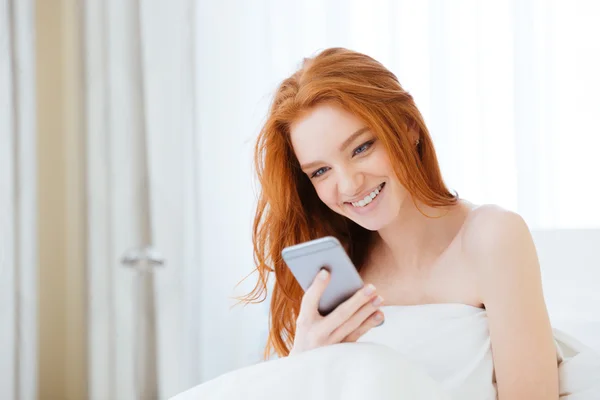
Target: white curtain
<point>507,89</point>
<point>18,250</point>
<point>159,132</point>
<point>139,106</point>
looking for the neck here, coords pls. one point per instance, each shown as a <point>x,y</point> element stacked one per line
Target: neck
<point>413,239</point>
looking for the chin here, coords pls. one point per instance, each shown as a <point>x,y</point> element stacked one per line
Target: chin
<point>375,221</point>
<point>372,224</point>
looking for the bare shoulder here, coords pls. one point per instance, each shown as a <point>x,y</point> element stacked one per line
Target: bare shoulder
<point>491,231</point>
<point>499,252</point>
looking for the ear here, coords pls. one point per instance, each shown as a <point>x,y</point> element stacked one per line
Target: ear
<point>413,130</point>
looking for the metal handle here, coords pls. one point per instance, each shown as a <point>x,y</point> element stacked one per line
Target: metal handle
<point>142,259</point>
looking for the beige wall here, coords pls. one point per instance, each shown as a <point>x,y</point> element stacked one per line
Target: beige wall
<point>62,357</point>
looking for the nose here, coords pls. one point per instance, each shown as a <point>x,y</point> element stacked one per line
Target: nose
<point>350,182</point>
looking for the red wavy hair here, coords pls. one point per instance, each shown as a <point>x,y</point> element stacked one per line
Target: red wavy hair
<point>289,210</point>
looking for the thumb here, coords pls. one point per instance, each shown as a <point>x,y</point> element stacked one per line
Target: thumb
<point>316,289</point>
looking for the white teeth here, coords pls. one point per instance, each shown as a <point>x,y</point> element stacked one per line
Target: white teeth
<point>368,198</point>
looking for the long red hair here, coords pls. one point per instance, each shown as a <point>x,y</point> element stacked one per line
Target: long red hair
<point>289,211</point>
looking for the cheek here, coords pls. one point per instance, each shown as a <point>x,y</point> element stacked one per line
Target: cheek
<point>381,161</point>
<point>326,192</point>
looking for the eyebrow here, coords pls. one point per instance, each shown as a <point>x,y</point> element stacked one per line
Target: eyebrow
<point>343,146</point>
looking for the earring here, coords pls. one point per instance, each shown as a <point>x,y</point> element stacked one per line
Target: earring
<point>417,141</point>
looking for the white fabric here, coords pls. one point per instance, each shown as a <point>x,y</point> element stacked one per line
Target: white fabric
<point>450,343</point>
<point>128,124</point>
<point>570,262</point>
<point>346,371</point>
<point>18,206</point>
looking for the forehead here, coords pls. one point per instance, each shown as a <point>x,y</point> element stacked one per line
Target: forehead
<point>322,130</point>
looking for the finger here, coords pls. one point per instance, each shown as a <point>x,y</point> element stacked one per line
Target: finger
<point>348,308</point>
<point>373,321</point>
<point>356,320</point>
<point>312,296</point>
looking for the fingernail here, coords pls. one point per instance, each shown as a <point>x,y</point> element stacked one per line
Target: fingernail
<point>370,289</point>
<point>377,301</point>
<point>378,317</point>
<point>323,274</point>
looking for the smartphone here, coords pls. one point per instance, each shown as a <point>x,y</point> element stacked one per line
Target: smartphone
<point>305,260</point>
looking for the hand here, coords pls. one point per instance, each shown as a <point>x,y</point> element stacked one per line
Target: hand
<point>347,323</point>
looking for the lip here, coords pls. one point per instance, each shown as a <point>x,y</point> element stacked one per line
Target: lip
<point>368,207</point>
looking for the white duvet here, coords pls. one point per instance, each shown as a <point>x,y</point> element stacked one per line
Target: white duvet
<point>437,351</point>
<point>344,371</point>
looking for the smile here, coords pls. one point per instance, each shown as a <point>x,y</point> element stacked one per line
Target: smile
<point>369,197</point>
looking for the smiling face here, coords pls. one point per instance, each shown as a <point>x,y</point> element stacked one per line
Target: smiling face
<point>347,165</point>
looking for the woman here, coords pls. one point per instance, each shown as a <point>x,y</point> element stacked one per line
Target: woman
<point>345,152</point>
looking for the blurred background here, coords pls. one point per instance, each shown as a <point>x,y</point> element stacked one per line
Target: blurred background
<point>127,189</point>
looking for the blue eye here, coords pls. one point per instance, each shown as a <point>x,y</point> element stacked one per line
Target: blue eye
<point>362,148</point>
<point>318,172</point>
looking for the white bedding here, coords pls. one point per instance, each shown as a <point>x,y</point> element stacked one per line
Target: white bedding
<point>344,371</point>
<point>436,351</point>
